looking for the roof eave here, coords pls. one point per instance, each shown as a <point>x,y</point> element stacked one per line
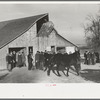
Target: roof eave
<point>65,39</point>
<point>23,31</point>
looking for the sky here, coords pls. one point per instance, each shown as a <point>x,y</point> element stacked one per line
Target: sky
<point>67,18</point>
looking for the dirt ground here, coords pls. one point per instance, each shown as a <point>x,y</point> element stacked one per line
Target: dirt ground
<point>88,74</point>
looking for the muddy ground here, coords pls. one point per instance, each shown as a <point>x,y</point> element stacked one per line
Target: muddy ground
<point>88,74</point>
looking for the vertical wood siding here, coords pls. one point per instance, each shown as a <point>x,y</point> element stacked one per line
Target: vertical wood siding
<point>44,42</point>
<point>25,40</point>
<point>62,42</point>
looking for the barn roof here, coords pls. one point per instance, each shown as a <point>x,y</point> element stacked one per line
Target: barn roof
<point>65,39</point>
<point>10,30</point>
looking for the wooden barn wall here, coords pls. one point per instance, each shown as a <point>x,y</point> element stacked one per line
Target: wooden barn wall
<point>45,42</point>
<point>60,42</point>
<point>25,40</point>
<point>53,40</point>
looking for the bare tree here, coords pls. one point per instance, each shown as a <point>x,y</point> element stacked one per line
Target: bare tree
<point>92,31</point>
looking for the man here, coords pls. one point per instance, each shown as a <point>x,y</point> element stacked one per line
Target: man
<point>97,57</point>
<point>37,60</point>
<point>19,63</point>
<point>9,60</point>
<point>23,59</point>
<point>93,58</point>
<point>41,60</point>
<point>46,60</point>
<point>14,58</point>
<point>85,56</point>
<point>30,60</point>
<point>88,58</point>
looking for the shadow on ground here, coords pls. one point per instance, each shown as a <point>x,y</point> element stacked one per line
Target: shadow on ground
<point>91,75</point>
<point>3,76</point>
<point>64,70</point>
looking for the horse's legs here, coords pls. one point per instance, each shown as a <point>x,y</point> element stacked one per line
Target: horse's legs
<point>63,72</point>
<point>68,70</point>
<point>57,69</point>
<point>45,68</point>
<point>49,69</point>
<point>77,70</point>
<point>48,72</point>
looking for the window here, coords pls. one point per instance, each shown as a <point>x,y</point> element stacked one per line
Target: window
<point>30,49</point>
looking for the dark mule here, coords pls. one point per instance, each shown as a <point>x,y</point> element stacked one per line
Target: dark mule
<point>66,60</point>
<point>47,58</point>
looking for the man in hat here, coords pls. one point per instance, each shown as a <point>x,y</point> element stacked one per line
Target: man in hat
<point>37,64</point>
<point>30,60</point>
<point>14,58</point>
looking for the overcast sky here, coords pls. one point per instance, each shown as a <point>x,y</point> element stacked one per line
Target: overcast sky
<point>67,18</point>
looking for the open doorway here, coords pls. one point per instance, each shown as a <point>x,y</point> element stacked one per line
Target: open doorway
<point>61,49</point>
<point>30,49</point>
<point>19,55</point>
<point>17,49</point>
<point>53,49</point>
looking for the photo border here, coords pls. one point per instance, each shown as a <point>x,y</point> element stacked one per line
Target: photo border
<point>49,83</point>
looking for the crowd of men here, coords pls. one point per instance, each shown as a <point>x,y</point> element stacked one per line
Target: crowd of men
<point>11,60</point>
<point>91,57</point>
<point>18,59</point>
<point>42,59</point>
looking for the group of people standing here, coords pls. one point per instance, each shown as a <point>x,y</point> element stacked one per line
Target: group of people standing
<point>91,57</point>
<point>40,60</point>
<point>11,60</point>
<point>19,59</point>
<point>14,59</point>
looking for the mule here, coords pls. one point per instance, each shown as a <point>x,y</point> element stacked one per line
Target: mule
<point>66,60</point>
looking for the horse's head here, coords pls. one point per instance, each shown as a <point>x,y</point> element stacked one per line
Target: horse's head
<point>77,55</point>
<point>75,60</point>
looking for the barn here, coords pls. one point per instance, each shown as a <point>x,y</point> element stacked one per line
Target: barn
<point>34,33</point>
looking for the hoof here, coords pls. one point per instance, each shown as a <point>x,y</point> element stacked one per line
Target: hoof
<point>59,75</point>
<point>45,70</point>
<point>67,75</point>
<point>78,74</point>
<point>48,74</point>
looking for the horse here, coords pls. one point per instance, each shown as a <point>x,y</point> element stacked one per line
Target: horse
<point>67,60</point>
<point>47,58</point>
